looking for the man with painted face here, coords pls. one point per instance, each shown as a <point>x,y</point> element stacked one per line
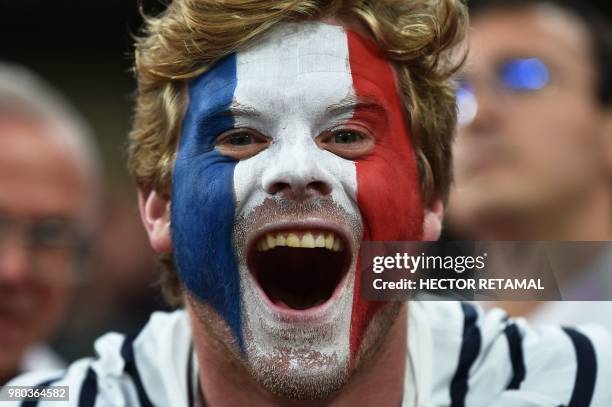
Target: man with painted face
<point>270,140</point>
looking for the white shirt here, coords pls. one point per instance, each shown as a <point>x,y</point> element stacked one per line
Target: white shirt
<point>40,357</point>
<point>457,356</point>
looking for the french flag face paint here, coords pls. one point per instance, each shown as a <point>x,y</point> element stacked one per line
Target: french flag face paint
<point>271,239</point>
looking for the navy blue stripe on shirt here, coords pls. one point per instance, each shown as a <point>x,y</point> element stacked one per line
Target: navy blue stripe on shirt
<point>34,403</point>
<point>586,370</point>
<point>515,344</point>
<point>127,353</point>
<point>190,376</point>
<point>89,389</point>
<point>470,347</point>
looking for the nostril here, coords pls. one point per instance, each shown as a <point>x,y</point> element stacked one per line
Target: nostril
<point>320,187</point>
<point>278,187</point>
<point>299,190</point>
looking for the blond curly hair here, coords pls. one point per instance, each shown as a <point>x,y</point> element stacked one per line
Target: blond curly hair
<point>190,36</point>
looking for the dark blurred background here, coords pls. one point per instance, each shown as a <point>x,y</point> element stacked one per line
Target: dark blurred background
<point>83,48</point>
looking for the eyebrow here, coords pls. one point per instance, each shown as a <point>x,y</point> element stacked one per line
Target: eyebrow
<point>349,104</point>
<point>235,109</point>
<point>241,110</point>
<point>352,103</point>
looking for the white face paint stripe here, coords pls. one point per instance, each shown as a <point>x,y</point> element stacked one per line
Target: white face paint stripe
<point>291,77</point>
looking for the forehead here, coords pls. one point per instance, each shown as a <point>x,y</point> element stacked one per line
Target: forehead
<point>39,175</point>
<point>293,50</point>
<point>293,61</point>
<point>298,68</point>
<point>539,31</point>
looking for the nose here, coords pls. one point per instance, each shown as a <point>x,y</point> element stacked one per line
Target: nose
<point>296,174</point>
<point>488,114</point>
<point>480,110</point>
<point>14,262</point>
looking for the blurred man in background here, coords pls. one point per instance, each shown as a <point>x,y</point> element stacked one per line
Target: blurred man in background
<point>48,188</point>
<point>534,152</point>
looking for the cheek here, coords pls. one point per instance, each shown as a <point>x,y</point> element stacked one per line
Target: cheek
<point>561,144</point>
<point>247,183</point>
<point>202,222</point>
<point>388,195</point>
<point>51,303</point>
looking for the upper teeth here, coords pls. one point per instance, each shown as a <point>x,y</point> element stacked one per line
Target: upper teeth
<point>301,239</point>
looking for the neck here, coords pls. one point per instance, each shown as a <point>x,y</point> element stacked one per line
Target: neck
<point>517,309</point>
<point>7,375</point>
<point>586,219</point>
<point>225,381</point>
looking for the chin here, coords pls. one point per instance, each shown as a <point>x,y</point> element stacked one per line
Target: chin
<point>301,380</point>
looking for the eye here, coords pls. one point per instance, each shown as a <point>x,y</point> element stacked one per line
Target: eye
<point>347,137</point>
<point>241,144</point>
<point>467,105</point>
<point>347,142</point>
<point>52,232</point>
<point>240,139</point>
<point>524,74</point>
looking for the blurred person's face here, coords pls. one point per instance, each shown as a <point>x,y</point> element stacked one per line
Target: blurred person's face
<point>533,139</point>
<point>42,200</point>
<point>292,153</point>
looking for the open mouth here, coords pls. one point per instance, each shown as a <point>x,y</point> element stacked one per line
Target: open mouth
<point>299,269</point>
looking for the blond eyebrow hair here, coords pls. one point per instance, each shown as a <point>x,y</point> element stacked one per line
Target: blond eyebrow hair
<point>242,109</point>
<point>351,102</point>
<point>236,109</point>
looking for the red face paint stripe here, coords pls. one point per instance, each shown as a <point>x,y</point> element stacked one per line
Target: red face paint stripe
<point>388,192</point>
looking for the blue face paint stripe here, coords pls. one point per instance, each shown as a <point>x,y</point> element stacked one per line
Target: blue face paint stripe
<point>203,207</point>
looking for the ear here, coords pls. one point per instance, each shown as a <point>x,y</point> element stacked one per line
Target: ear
<point>155,215</point>
<point>432,223</point>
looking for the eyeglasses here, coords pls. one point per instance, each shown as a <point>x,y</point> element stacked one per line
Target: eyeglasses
<point>513,76</point>
<point>56,246</point>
